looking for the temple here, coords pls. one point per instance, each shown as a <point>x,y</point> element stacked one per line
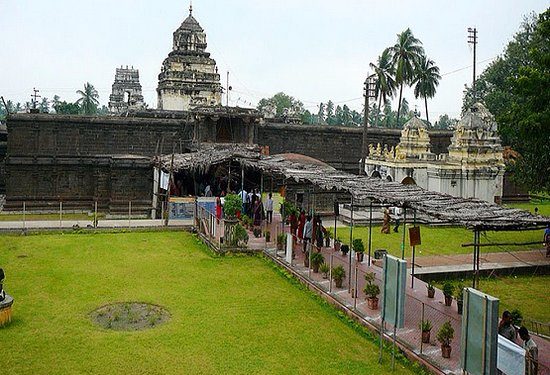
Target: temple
<point>472,168</point>
<point>126,94</point>
<point>188,76</point>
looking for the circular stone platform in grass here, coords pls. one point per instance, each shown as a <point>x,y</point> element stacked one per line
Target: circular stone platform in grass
<point>129,316</point>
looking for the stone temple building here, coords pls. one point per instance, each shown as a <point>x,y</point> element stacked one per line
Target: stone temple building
<point>472,168</point>
<point>188,76</point>
<point>126,93</point>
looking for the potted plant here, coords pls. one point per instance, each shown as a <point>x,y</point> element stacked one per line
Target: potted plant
<point>359,249</point>
<point>316,260</point>
<point>372,291</point>
<point>325,269</point>
<point>240,236</point>
<point>337,244</point>
<point>345,249</point>
<point>459,298</point>
<point>517,317</point>
<point>338,275</point>
<point>232,206</point>
<point>448,290</point>
<point>267,236</point>
<point>431,289</point>
<point>445,337</point>
<point>281,238</point>
<point>425,327</point>
<point>257,232</point>
<point>328,236</point>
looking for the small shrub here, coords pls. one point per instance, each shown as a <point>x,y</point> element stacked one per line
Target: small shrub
<point>448,289</point>
<point>281,238</point>
<point>425,326</point>
<point>325,269</point>
<point>240,236</point>
<point>517,317</point>
<point>445,334</point>
<point>317,259</point>
<point>232,204</point>
<point>430,286</point>
<point>338,273</point>
<point>372,290</point>
<point>460,292</point>
<point>358,245</point>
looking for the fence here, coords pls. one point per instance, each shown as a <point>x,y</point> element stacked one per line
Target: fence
<point>418,307</point>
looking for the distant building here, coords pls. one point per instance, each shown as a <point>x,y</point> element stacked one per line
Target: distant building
<point>473,168</point>
<point>126,94</point>
<point>188,77</point>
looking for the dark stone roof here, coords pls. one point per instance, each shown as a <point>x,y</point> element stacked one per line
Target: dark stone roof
<point>191,24</point>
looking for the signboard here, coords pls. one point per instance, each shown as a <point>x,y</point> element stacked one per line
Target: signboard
<point>393,291</point>
<point>181,208</point>
<point>414,236</point>
<point>510,357</point>
<point>478,347</point>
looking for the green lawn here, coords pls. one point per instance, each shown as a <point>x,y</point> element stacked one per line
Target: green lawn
<point>528,294</point>
<point>34,217</point>
<point>232,314</point>
<point>542,205</point>
<point>441,240</point>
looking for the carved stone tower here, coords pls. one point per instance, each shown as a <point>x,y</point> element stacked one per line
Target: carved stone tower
<point>126,94</point>
<point>188,76</point>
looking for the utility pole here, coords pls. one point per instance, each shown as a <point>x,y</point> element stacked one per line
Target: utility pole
<point>370,92</point>
<point>35,96</point>
<point>227,89</point>
<point>472,39</point>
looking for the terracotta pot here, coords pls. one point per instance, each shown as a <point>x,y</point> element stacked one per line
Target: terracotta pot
<point>425,337</point>
<point>338,282</point>
<point>446,351</point>
<point>280,246</point>
<point>372,303</point>
<point>448,300</point>
<point>431,293</point>
<point>306,260</point>
<point>337,246</point>
<point>316,268</point>
<point>360,256</point>
<point>459,306</point>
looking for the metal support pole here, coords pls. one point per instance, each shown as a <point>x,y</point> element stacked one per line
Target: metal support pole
<point>24,212</point>
<point>477,259</point>
<point>414,252</point>
<point>370,231</point>
<point>422,321</point>
<point>309,246</point>
<point>404,234</point>
<point>335,217</point>
<point>350,244</point>
<point>95,214</point>
<point>355,294</point>
<point>129,214</point>
<point>60,214</point>
<point>330,274</point>
<point>474,260</point>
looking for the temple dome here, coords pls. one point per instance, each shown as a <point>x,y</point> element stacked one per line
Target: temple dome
<point>415,123</point>
<point>190,24</point>
<point>478,117</point>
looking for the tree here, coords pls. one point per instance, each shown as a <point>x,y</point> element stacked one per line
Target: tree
<point>321,114</point>
<point>330,112</point>
<point>385,83</point>
<point>44,105</point>
<point>280,102</point>
<point>405,56</point>
<point>426,80</point>
<point>306,117</point>
<point>445,122</point>
<point>88,101</point>
<point>346,116</point>
<point>64,108</point>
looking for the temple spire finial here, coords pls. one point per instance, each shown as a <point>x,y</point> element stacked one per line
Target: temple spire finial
<point>190,7</point>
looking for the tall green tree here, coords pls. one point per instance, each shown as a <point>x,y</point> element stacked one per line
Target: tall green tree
<point>426,80</point>
<point>385,82</point>
<point>280,102</point>
<point>321,114</point>
<point>330,112</point>
<point>406,54</point>
<point>89,99</point>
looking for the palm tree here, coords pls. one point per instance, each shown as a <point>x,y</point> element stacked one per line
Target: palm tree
<point>405,55</point>
<point>89,99</point>
<point>426,79</point>
<point>385,83</point>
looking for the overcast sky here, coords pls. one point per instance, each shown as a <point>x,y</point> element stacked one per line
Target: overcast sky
<point>315,50</point>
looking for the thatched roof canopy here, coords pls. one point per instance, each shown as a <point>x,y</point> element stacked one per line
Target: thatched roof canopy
<point>468,212</point>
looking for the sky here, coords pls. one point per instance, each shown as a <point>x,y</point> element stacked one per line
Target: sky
<point>314,50</point>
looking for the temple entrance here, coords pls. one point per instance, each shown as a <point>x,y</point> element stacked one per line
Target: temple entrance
<point>376,174</point>
<point>408,181</point>
<point>224,130</point>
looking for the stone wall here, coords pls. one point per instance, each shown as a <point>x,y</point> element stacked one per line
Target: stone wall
<point>337,146</point>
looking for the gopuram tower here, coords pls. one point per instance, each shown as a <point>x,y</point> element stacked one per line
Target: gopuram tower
<point>188,76</point>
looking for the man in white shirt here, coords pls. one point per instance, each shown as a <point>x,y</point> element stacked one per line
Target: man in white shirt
<point>269,208</point>
<point>531,352</point>
<point>244,195</point>
<point>308,231</point>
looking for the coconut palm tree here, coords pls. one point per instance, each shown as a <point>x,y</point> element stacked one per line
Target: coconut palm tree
<point>426,80</point>
<point>405,56</point>
<point>385,83</point>
<point>89,99</point>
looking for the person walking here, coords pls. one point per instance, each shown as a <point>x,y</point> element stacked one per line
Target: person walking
<point>506,328</point>
<point>547,240</point>
<point>386,224</point>
<point>269,208</point>
<point>308,231</point>
<point>301,224</point>
<point>531,352</point>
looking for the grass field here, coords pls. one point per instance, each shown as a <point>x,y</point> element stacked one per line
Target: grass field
<point>228,314</point>
<point>441,240</point>
<point>542,205</point>
<point>528,294</point>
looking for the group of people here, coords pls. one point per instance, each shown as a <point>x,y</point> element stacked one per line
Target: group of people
<point>306,229</point>
<point>397,214</point>
<point>507,330</point>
